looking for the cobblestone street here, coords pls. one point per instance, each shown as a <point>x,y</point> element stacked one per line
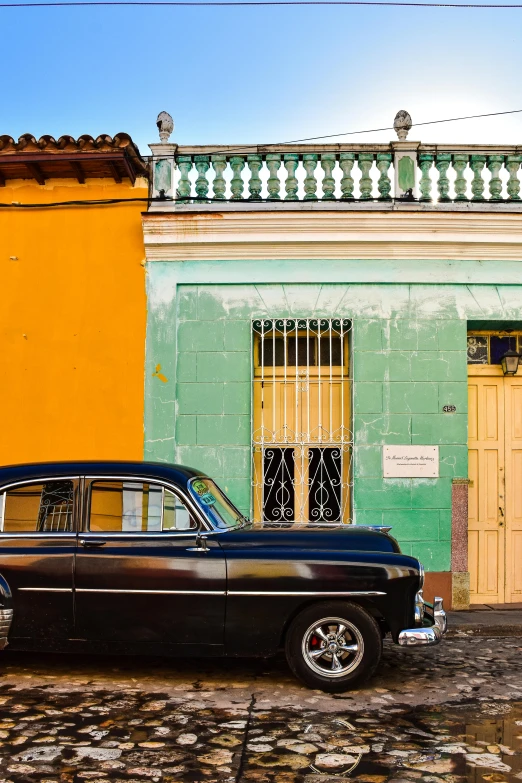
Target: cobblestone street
<point>434,715</point>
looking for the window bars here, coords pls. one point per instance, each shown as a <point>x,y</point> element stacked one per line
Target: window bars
<point>302,439</point>
<point>489,347</point>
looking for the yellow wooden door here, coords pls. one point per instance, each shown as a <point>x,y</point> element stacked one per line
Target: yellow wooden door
<point>495,492</point>
<point>513,499</point>
<point>301,411</point>
<point>486,528</point>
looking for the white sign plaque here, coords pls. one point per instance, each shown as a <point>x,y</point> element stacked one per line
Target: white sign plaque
<point>410,461</point>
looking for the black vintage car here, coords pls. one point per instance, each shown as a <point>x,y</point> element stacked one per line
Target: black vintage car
<point>149,557</point>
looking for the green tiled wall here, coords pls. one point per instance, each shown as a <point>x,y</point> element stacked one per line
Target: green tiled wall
<point>408,361</point>
<point>405,371</point>
<point>214,385</point>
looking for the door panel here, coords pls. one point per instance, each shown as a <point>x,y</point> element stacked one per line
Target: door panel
<point>141,573</point>
<point>513,500</point>
<point>150,588</point>
<point>486,473</point>
<point>38,542</point>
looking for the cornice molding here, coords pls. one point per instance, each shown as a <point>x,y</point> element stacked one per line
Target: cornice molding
<point>322,235</point>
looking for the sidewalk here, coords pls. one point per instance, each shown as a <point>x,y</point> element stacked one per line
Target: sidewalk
<point>487,620</point>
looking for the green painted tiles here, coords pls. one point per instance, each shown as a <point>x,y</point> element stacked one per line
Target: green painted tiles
<point>410,365</point>
<point>223,366</point>
<point>405,370</point>
<point>408,359</point>
<point>222,430</point>
<point>410,397</point>
<point>368,398</point>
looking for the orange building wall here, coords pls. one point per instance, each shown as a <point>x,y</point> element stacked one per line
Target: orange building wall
<point>72,323</point>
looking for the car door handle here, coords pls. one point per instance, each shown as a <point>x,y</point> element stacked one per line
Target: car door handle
<point>92,542</point>
<point>201,545</point>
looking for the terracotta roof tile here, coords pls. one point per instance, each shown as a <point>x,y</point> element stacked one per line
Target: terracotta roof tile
<point>103,156</point>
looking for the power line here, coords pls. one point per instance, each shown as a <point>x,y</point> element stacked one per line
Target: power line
<point>97,202</point>
<point>232,150</point>
<point>194,200</point>
<point>206,3</point>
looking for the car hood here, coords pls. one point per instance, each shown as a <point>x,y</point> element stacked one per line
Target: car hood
<point>341,537</point>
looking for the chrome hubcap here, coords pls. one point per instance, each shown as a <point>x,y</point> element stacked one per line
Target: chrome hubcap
<point>333,647</point>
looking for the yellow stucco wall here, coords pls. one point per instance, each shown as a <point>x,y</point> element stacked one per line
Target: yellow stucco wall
<point>72,323</point>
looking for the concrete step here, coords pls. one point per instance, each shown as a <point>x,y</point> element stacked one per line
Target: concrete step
<point>487,621</point>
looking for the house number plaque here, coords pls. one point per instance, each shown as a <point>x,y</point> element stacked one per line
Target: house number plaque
<point>410,461</point>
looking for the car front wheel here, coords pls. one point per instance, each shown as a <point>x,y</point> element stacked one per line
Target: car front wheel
<point>333,646</point>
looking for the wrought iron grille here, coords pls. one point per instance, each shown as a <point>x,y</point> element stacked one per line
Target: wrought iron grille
<point>302,438</point>
<point>489,347</point>
<point>56,507</point>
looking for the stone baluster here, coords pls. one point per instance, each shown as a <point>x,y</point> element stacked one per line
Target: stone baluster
<point>237,184</point>
<point>442,163</point>
<point>365,160</point>
<point>328,185</point>
<point>162,178</point>
<point>346,162</point>
<point>495,184</point>
<point>273,162</point>
<point>384,160</point>
<point>459,164</point>
<point>291,185</point>
<point>513,186</point>
<point>184,185</point>
<point>425,184</point>
<point>219,164</point>
<point>310,183</point>
<point>477,183</point>
<point>202,166</point>
<point>254,184</point>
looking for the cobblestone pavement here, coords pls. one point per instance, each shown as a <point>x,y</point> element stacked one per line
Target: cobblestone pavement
<point>449,714</point>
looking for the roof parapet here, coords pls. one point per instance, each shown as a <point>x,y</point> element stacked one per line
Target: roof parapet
<point>399,171</point>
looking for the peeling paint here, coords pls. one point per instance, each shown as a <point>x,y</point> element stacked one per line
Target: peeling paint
<point>408,360</point>
<point>158,374</point>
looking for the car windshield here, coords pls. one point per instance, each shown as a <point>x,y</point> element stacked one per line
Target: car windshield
<point>215,504</point>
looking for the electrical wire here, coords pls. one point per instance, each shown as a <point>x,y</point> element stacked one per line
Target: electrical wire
<point>194,3</point>
<point>79,203</point>
<point>193,200</point>
<point>249,147</point>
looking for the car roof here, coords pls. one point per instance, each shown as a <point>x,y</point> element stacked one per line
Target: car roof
<point>176,474</point>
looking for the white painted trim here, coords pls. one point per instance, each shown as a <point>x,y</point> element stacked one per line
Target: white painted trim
<point>469,207</point>
<point>333,235</point>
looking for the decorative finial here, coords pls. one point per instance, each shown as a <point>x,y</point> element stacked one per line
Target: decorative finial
<point>402,124</point>
<point>165,125</point>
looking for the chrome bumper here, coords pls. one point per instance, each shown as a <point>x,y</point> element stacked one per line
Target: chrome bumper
<point>430,634</point>
<point>6,616</point>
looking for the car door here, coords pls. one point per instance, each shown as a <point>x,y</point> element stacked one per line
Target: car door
<point>37,549</point>
<point>142,572</point>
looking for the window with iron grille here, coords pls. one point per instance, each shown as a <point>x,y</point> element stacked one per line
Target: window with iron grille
<point>489,347</point>
<point>302,436</point>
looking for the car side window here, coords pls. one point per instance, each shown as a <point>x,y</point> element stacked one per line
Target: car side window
<point>46,507</point>
<point>136,507</point>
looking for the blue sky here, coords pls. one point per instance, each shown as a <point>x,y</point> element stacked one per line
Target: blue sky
<point>262,75</point>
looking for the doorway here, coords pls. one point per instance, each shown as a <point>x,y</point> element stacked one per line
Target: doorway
<point>495,490</point>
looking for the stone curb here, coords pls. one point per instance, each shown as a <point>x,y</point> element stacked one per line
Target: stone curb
<point>484,630</point>
<point>485,623</point>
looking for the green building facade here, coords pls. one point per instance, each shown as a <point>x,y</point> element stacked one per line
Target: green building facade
<point>413,279</point>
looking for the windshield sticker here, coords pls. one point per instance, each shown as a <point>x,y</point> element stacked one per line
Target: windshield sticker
<point>200,487</point>
<point>208,499</point>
